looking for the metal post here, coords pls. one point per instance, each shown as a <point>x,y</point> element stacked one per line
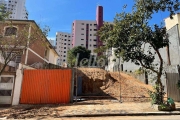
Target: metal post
<point>76,84</point>
<point>119,81</point>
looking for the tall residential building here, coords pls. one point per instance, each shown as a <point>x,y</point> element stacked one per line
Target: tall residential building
<point>16,8</point>
<point>84,31</point>
<point>63,44</point>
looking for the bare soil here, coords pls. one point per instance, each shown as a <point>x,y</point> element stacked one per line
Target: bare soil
<point>98,82</point>
<point>132,90</point>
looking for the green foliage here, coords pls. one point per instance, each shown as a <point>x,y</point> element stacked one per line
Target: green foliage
<point>156,95</point>
<point>131,33</point>
<point>114,60</point>
<point>139,71</point>
<point>3,13</point>
<point>45,29</point>
<point>72,55</point>
<point>178,84</point>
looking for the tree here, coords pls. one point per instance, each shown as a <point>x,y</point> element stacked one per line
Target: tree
<point>45,29</point>
<point>139,41</point>
<point>3,13</point>
<point>14,39</point>
<point>73,54</point>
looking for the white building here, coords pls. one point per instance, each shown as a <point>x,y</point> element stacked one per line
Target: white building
<point>16,8</point>
<point>84,34</point>
<point>63,44</point>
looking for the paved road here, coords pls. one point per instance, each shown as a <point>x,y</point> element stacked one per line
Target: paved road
<point>173,117</point>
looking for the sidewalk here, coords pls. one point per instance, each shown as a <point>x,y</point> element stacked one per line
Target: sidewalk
<point>92,108</point>
<point>113,108</point>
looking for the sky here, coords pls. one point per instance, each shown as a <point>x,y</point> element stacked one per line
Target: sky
<point>59,14</point>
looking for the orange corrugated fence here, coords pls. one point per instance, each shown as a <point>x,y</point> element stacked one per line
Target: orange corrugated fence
<point>46,86</point>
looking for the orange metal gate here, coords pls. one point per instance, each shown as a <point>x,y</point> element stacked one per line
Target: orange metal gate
<point>46,86</point>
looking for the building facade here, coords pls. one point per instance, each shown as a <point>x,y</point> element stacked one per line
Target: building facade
<point>173,29</point>
<point>40,51</point>
<point>84,32</point>
<point>63,44</point>
<point>16,8</point>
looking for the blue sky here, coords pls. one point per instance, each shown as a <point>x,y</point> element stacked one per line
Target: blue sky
<point>59,14</point>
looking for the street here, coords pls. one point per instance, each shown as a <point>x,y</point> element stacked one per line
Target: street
<point>169,117</point>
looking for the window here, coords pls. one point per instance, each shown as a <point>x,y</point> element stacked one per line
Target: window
<point>90,29</point>
<point>95,24</point>
<point>82,33</point>
<point>95,29</point>
<point>64,43</point>
<point>68,44</point>
<point>82,39</point>
<point>82,44</point>
<point>64,47</point>
<point>82,28</point>
<point>90,34</point>
<point>90,45</point>
<point>65,35</point>
<point>95,40</point>
<point>64,56</point>
<point>64,39</point>
<point>10,31</point>
<point>90,24</point>
<point>64,60</point>
<point>82,23</point>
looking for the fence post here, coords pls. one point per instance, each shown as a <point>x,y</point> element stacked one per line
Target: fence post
<point>72,86</point>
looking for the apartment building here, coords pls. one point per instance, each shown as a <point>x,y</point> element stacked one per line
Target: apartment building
<point>84,32</point>
<point>63,44</point>
<point>16,8</point>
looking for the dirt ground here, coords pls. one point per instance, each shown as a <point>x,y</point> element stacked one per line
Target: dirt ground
<point>132,90</point>
<point>94,107</point>
<point>84,107</point>
<point>98,82</point>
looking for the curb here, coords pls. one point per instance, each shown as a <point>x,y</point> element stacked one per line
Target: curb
<point>125,114</point>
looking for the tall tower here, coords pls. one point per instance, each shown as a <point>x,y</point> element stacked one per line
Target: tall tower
<point>99,20</point>
<point>16,8</point>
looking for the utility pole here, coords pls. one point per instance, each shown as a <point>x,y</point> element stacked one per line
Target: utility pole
<point>119,80</point>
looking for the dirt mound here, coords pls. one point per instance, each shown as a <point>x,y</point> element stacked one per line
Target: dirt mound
<point>98,82</point>
<point>131,88</point>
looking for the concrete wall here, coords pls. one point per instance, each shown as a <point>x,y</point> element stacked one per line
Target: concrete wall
<point>52,57</point>
<point>172,22</point>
